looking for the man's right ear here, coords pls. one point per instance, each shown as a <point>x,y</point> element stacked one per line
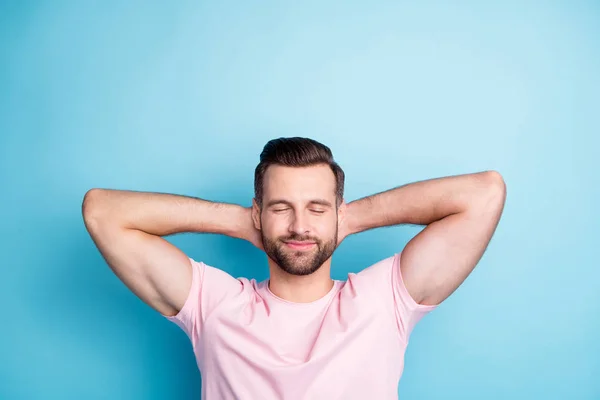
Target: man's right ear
<point>255,214</point>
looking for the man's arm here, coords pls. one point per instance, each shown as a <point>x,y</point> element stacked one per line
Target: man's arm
<point>127,226</point>
<point>461,213</point>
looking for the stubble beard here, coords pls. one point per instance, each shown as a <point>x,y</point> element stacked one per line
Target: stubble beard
<point>296,262</point>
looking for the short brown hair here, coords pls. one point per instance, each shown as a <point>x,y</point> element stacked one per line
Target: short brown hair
<point>296,152</point>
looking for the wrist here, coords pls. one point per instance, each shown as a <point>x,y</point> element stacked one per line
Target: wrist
<point>240,222</point>
<point>353,221</point>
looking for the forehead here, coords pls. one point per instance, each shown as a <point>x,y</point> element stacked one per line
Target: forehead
<point>299,183</point>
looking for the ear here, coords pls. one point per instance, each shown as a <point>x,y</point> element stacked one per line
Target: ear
<point>342,208</point>
<point>255,214</point>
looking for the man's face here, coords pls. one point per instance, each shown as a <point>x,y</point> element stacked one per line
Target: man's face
<point>299,218</point>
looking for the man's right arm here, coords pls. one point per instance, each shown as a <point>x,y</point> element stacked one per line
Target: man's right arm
<point>127,226</point>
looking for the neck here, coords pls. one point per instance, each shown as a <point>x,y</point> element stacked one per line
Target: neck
<point>300,289</point>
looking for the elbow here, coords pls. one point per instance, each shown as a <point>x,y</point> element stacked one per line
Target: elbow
<point>496,189</point>
<point>489,192</point>
<point>495,177</point>
<point>496,183</point>
<point>90,204</point>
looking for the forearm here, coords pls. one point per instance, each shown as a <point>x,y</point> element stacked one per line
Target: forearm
<point>422,202</point>
<point>163,214</point>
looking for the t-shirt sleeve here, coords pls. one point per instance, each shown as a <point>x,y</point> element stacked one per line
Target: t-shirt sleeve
<point>210,286</point>
<point>385,278</point>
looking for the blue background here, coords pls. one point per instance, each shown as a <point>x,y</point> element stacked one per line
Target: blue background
<point>180,97</point>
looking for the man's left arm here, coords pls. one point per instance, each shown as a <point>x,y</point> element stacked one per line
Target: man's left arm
<point>461,214</point>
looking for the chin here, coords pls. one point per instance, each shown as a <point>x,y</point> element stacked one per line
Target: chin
<point>300,270</point>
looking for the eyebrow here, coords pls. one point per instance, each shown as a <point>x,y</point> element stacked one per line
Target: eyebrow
<point>321,202</point>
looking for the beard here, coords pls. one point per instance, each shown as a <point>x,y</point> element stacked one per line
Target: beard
<point>296,262</point>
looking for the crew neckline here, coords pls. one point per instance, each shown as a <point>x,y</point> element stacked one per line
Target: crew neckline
<point>298,304</point>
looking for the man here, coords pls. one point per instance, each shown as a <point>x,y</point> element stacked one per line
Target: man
<point>299,334</point>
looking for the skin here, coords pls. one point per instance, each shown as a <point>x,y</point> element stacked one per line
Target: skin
<point>460,214</point>
<point>299,226</point>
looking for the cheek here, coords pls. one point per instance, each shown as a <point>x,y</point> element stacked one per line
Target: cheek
<point>272,227</point>
<point>327,228</point>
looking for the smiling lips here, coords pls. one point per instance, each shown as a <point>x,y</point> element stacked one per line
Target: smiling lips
<point>300,245</point>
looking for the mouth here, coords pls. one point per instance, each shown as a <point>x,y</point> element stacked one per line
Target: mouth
<point>299,245</point>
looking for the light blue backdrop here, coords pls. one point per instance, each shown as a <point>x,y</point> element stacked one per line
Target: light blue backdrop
<point>180,97</point>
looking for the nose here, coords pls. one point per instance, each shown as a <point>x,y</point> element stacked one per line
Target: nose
<point>299,224</point>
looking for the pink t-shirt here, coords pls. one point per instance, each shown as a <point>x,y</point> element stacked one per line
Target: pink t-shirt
<point>251,344</point>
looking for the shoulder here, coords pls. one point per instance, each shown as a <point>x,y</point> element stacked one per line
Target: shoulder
<point>375,279</point>
<point>215,285</point>
<point>380,271</point>
<point>386,276</point>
